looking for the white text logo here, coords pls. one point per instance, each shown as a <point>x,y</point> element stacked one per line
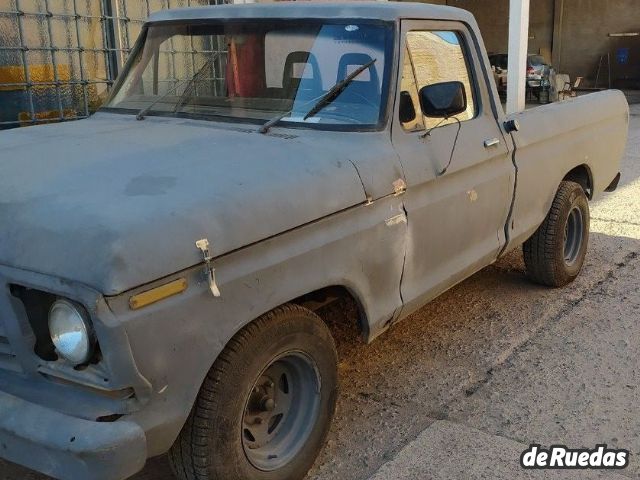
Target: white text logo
<point>560,456</point>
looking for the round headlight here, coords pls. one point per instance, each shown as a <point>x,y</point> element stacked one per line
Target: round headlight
<point>70,332</point>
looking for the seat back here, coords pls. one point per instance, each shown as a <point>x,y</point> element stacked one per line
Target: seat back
<point>293,83</point>
<point>367,88</point>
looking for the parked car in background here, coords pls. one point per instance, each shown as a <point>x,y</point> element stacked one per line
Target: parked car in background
<point>537,71</point>
<point>163,264</point>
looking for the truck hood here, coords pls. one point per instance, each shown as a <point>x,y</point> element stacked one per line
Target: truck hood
<point>114,203</point>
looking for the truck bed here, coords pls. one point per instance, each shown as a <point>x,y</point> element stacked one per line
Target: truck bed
<point>588,132</point>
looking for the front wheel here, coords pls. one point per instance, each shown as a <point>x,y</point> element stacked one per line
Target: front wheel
<point>265,408</point>
<point>555,254</point>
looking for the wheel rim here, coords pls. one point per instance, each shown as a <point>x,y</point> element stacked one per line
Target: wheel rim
<point>281,411</point>
<point>573,233</point>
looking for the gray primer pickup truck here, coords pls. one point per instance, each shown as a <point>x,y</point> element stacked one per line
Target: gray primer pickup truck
<point>163,262</point>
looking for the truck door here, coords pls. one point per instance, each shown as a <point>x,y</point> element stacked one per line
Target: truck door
<point>458,171</point>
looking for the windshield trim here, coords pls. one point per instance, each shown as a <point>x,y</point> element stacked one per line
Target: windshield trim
<point>329,127</point>
<point>389,74</point>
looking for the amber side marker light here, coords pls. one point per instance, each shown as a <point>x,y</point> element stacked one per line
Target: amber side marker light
<point>156,294</point>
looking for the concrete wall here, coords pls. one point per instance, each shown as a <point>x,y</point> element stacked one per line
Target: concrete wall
<point>585,34</point>
<point>493,17</point>
<point>572,34</point>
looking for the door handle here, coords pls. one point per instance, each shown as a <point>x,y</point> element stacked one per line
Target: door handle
<point>492,142</point>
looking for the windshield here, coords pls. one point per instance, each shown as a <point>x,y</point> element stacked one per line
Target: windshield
<point>536,60</point>
<point>251,71</point>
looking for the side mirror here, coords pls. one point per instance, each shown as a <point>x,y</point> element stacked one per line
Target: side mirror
<point>407,111</point>
<point>443,100</point>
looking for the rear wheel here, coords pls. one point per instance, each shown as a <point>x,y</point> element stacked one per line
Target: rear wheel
<point>555,254</point>
<point>265,408</point>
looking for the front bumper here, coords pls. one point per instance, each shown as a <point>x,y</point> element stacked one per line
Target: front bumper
<point>66,447</point>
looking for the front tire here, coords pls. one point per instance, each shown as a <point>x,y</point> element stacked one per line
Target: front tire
<point>555,254</point>
<point>264,410</point>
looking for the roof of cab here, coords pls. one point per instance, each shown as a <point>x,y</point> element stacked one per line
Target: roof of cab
<point>388,11</point>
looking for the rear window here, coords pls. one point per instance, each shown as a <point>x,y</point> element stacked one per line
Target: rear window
<point>536,60</point>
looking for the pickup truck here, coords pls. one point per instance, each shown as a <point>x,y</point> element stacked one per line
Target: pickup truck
<point>163,263</point>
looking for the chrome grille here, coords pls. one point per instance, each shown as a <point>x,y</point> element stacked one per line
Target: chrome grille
<point>8,360</point>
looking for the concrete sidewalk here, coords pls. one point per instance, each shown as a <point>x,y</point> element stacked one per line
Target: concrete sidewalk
<point>453,451</point>
<point>575,383</point>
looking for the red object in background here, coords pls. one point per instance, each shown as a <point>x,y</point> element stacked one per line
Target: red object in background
<point>245,68</point>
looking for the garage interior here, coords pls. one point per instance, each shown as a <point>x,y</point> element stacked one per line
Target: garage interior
<point>596,40</point>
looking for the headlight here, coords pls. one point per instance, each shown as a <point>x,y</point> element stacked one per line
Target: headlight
<point>70,332</point>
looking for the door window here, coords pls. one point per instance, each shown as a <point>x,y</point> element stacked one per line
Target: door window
<point>435,57</point>
<point>408,84</point>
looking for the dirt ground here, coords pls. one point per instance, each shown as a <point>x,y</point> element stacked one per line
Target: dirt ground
<point>498,356</point>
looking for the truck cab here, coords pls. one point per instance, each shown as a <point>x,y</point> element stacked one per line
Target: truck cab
<point>254,163</point>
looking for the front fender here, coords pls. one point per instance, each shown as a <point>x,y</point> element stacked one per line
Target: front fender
<point>176,341</point>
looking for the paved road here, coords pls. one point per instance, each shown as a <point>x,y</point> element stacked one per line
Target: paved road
<point>461,387</point>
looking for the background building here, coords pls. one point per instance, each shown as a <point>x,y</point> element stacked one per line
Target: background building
<point>575,36</point>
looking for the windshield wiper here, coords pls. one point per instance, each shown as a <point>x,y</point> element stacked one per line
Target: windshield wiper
<point>323,100</point>
<point>337,89</point>
<point>190,89</point>
<point>265,128</point>
<point>142,113</point>
<point>186,95</point>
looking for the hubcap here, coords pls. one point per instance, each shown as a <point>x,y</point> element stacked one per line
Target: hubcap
<point>281,411</point>
<point>573,236</point>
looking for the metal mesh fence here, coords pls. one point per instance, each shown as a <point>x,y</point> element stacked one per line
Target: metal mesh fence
<point>58,58</point>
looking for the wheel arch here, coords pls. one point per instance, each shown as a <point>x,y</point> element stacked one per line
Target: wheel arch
<point>317,298</point>
<point>583,176</point>
<point>322,297</point>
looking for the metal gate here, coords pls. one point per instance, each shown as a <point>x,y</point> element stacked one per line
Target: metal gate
<point>58,58</point>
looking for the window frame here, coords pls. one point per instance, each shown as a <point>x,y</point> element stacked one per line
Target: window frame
<point>417,108</point>
<point>463,37</point>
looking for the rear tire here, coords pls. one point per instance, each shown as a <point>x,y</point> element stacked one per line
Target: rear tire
<point>555,254</point>
<point>265,408</point>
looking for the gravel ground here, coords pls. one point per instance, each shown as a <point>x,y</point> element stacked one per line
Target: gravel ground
<point>497,356</point>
